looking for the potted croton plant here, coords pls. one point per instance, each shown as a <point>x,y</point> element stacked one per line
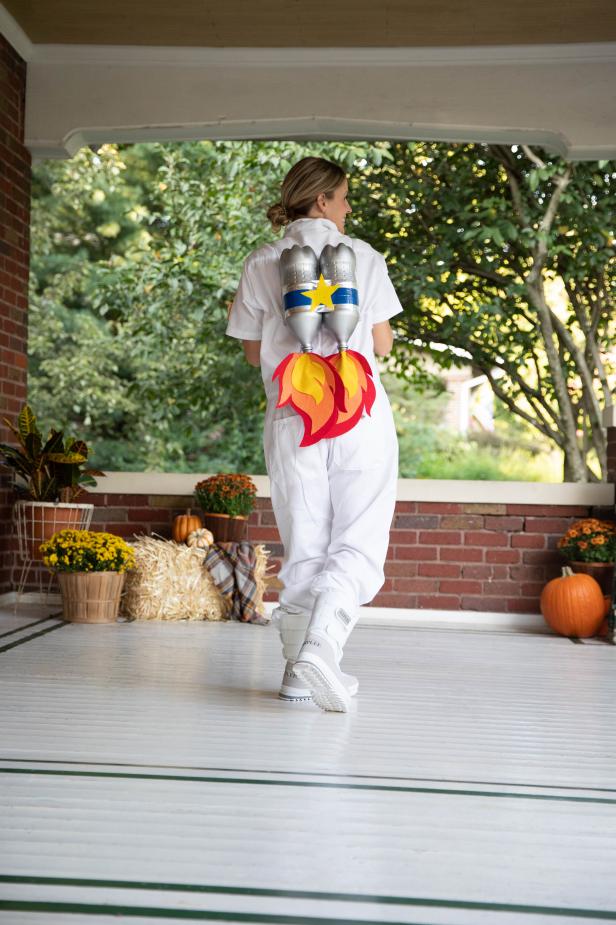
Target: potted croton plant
<point>590,547</point>
<point>226,499</point>
<point>49,475</point>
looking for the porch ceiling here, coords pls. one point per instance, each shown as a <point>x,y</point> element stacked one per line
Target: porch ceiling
<point>290,23</point>
<point>451,70</point>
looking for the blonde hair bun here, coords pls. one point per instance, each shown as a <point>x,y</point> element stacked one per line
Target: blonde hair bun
<point>277,214</point>
<point>306,180</point>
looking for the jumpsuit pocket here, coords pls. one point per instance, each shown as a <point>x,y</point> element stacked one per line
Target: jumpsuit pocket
<point>283,436</point>
<point>364,446</point>
<point>298,475</point>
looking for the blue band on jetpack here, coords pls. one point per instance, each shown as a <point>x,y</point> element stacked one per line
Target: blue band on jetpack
<point>293,299</point>
<point>344,295</point>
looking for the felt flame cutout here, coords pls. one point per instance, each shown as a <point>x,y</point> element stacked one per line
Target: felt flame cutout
<point>359,391</point>
<point>313,387</point>
<point>329,393</point>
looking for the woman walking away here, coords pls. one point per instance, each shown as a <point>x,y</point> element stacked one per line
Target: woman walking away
<point>312,311</point>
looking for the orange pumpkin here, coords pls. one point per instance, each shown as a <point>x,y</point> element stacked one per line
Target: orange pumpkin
<point>573,604</point>
<point>184,524</point>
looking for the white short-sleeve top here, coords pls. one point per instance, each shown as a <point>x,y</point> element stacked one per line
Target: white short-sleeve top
<point>257,312</point>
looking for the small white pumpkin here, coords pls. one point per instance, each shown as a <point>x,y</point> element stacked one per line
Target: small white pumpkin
<point>201,538</point>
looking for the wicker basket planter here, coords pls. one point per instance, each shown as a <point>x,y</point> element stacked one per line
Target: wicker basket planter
<point>226,529</point>
<point>91,597</point>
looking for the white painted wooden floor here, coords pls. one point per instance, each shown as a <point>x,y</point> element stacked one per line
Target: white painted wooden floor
<point>149,773</point>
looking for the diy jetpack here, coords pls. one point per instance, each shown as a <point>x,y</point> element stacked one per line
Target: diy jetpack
<point>329,392</point>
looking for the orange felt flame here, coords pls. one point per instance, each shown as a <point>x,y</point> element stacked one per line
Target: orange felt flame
<point>359,390</point>
<point>313,387</point>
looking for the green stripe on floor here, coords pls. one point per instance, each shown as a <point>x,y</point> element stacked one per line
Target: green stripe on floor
<point>286,773</point>
<point>215,915</point>
<point>254,781</point>
<point>26,626</point>
<point>20,642</point>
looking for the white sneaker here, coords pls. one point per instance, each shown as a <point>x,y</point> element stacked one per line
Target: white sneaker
<point>292,622</point>
<point>318,662</point>
<point>293,689</point>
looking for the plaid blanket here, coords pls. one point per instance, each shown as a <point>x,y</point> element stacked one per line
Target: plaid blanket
<point>231,566</point>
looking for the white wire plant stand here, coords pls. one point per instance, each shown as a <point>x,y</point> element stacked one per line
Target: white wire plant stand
<point>35,522</point>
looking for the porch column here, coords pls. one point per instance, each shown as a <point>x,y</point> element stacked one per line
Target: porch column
<point>15,175</point>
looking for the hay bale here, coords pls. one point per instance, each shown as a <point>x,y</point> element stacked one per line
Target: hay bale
<point>170,582</point>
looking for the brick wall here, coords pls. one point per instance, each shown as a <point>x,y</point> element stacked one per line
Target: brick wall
<point>15,164</point>
<point>445,556</point>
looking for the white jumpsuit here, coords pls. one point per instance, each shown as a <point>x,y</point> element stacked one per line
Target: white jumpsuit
<point>333,501</point>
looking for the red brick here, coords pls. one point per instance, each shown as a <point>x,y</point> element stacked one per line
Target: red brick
<point>547,525</point>
<point>123,529</point>
<point>441,537</point>
<point>462,522</point>
<point>532,588</point>
<point>486,538</point>
<point>400,569</point>
<point>410,521</point>
<point>262,534</point>
<point>461,554</point>
<point>481,508</point>
<point>415,584</point>
<point>140,514</point>
<point>502,588</point>
<point>439,570</point>
<point>511,524</point>
<point>460,586</point>
<point>503,555</point>
<point>522,605</point>
<point>438,602</point>
<point>527,572</point>
<point>392,599</point>
<point>480,602</point>
<point>548,510</point>
<point>484,572</point>
<point>528,541</point>
<point>130,501</point>
<point>438,507</point>
<point>541,557</point>
<point>402,537</point>
<point>418,553</point>
<point>406,507</point>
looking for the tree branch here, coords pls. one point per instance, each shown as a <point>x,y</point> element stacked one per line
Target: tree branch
<point>530,154</point>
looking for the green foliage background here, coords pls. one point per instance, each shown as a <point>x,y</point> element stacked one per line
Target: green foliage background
<point>137,251</point>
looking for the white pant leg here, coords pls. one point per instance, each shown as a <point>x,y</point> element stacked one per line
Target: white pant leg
<point>363,477</point>
<point>301,504</point>
<point>334,503</point>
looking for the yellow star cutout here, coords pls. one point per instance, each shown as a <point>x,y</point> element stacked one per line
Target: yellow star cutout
<point>322,295</point>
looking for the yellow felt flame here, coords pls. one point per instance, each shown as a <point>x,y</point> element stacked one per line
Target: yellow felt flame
<point>348,370</point>
<point>308,378</point>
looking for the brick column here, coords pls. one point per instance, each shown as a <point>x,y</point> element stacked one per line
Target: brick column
<point>611,455</point>
<point>609,422</point>
<point>15,164</point>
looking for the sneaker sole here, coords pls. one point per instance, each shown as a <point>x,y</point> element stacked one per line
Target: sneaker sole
<point>327,693</point>
<point>292,698</point>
